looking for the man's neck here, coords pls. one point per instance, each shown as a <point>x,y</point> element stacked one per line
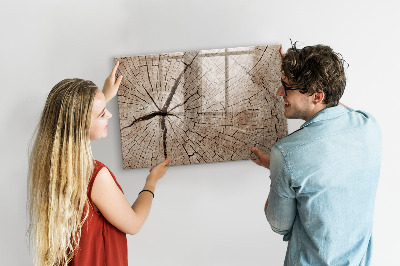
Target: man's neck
<point>318,108</point>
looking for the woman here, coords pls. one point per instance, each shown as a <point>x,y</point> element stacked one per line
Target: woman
<point>78,212</point>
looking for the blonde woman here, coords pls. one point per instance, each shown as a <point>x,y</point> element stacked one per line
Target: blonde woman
<point>78,212</point>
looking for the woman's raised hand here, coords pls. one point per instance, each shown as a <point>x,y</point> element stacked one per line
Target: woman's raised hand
<point>111,86</point>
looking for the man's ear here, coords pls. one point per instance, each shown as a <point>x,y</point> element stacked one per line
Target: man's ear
<point>318,97</point>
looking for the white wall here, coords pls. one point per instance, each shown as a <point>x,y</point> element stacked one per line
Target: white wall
<point>208,214</point>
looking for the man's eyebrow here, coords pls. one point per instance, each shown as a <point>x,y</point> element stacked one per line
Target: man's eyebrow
<point>287,85</point>
<point>284,83</point>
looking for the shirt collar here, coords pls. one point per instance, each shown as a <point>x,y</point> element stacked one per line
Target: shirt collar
<point>326,114</point>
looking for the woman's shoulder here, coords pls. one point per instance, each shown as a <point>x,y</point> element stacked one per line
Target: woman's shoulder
<point>97,164</point>
<point>101,169</point>
<point>97,167</point>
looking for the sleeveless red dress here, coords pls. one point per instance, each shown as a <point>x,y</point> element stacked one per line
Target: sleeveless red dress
<point>101,243</point>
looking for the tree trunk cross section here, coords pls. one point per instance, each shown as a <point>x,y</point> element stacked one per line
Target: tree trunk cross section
<point>200,106</point>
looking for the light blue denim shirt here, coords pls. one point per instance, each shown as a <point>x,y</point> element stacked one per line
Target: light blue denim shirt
<point>323,183</point>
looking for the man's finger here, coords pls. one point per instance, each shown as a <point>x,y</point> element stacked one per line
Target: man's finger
<point>281,51</point>
<point>257,161</point>
<point>256,151</point>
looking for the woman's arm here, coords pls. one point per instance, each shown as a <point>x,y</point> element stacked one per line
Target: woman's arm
<point>114,206</point>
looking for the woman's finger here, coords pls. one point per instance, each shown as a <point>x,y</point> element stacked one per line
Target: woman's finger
<point>166,161</point>
<point>118,82</point>
<point>114,71</point>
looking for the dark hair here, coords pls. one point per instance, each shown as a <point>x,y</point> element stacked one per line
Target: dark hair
<point>316,69</point>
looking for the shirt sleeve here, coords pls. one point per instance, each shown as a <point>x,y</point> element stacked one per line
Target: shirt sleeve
<point>281,210</point>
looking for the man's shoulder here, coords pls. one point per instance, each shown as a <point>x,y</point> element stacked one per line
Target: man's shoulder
<point>292,142</point>
<point>365,116</point>
<point>312,132</point>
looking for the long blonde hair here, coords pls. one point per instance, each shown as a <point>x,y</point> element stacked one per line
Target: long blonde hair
<point>60,167</point>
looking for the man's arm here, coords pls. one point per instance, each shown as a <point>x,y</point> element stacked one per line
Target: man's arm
<point>280,213</point>
<point>262,160</point>
<point>280,208</point>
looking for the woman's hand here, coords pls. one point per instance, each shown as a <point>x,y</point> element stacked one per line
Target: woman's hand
<point>263,158</point>
<point>158,171</point>
<point>111,86</point>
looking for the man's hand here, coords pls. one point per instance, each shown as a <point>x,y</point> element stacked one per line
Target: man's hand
<point>343,105</point>
<point>263,158</point>
<point>111,86</point>
<point>281,52</point>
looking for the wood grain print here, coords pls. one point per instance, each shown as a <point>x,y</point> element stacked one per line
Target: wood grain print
<point>200,106</point>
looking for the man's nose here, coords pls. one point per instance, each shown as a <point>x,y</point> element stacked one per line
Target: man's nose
<point>280,91</point>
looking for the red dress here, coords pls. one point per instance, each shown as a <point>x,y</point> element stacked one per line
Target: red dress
<point>101,243</point>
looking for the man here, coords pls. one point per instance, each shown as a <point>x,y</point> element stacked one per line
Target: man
<point>323,176</point>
